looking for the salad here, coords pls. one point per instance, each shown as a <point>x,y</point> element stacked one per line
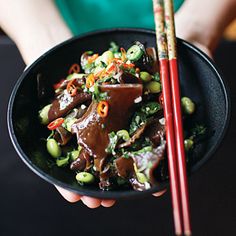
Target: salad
<point>106,120</point>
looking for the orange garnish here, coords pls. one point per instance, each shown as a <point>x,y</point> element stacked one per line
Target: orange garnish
<point>75,68</point>
<point>92,58</point>
<point>58,85</point>
<point>71,88</point>
<point>56,123</point>
<point>102,108</point>
<point>111,67</point>
<point>90,80</point>
<point>137,70</point>
<point>99,73</point>
<point>118,61</point>
<point>123,54</point>
<point>161,99</point>
<point>128,66</point>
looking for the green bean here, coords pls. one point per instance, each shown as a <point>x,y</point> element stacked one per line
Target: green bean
<point>187,105</point>
<point>153,87</point>
<point>62,161</point>
<point>145,76</point>
<point>141,177</point>
<point>123,134</point>
<point>188,144</point>
<point>85,177</point>
<point>53,148</point>
<point>43,114</point>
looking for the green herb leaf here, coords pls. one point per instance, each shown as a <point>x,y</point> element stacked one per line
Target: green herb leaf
<point>143,150</point>
<point>156,77</point>
<point>114,47</point>
<point>150,108</point>
<point>138,119</point>
<point>98,95</point>
<point>198,132</point>
<point>62,161</point>
<point>113,138</point>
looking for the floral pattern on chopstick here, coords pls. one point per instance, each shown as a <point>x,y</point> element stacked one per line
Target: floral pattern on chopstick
<point>160,29</point>
<point>170,29</point>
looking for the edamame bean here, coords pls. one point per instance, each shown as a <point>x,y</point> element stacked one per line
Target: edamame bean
<point>145,76</point>
<point>188,144</point>
<point>53,148</point>
<point>85,177</point>
<point>123,134</point>
<point>69,122</point>
<point>141,177</point>
<point>75,154</point>
<point>43,114</point>
<point>153,87</point>
<point>187,105</point>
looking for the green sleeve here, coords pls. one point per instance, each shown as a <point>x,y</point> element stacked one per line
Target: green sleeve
<point>87,15</point>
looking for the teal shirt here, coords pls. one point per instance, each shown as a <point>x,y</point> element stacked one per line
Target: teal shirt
<point>88,15</point>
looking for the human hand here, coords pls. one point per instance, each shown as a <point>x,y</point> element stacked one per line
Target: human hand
<point>186,30</point>
<point>202,22</point>
<point>88,201</point>
<point>92,202</point>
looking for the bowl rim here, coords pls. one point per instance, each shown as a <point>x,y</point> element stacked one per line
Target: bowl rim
<point>112,194</point>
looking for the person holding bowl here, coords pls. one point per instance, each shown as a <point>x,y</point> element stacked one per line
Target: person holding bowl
<point>37,26</point>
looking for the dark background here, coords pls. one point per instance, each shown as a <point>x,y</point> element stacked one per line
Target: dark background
<point>30,206</point>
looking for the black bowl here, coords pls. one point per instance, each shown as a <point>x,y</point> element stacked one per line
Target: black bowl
<point>199,77</point>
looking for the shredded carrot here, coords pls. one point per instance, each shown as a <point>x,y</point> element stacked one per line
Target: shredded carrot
<point>123,54</point>
<point>99,73</point>
<point>117,61</point>
<point>92,58</point>
<point>111,67</point>
<point>128,66</point>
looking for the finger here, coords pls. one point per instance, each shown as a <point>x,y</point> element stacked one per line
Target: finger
<point>108,203</point>
<point>91,202</point>
<point>158,194</point>
<point>69,196</point>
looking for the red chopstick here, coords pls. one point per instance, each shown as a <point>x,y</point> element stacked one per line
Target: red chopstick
<point>174,78</point>
<point>172,113</point>
<point>168,113</point>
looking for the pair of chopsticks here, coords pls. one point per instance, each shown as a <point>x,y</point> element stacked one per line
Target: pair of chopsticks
<point>166,45</point>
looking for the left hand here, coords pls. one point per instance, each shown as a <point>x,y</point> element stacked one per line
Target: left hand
<point>88,201</point>
<point>92,202</point>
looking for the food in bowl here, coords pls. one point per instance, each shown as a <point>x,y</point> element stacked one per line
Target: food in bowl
<point>106,120</point>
